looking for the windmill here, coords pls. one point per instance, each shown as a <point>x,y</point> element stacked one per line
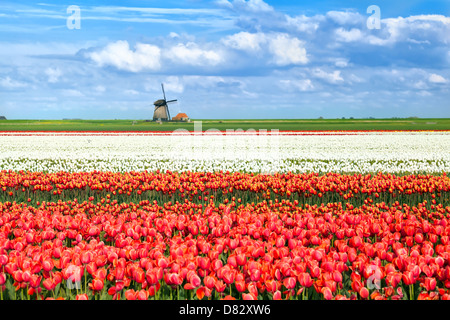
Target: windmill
<point>161,108</point>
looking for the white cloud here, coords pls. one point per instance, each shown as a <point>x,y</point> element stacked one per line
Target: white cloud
<point>345,17</point>
<point>72,93</point>
<point>420,29</point>
<point>212,82</point>
<point>341,63</point>
<point>119,55</point>
<point>301,84</point>
<point>191,54</point>
<point>424,93</point>
<point>131,92</point>
<point>282,47</point>
<point>245,41</point>
<point>9,83</point>
<point>430,17</point>
<point>303,23</point>
<point>224,4</point>
<point>100,89</point>
<point>287,50</point>
<point>255,6</point>
<point>332,77</point>
<point>435,78</point>
<point>348,36</point>
<point>173,84</point>
<point>53,74</point>
<point>355,79</point>
<point>421,85</point>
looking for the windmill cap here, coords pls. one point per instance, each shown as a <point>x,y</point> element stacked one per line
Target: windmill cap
<point>159,102</point>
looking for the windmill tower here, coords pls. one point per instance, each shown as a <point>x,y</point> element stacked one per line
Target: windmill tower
<point>161,108</point>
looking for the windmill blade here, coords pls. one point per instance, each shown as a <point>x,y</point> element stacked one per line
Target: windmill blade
<point>164,94</point>
<point>171,101</point>
<point>168,113</point>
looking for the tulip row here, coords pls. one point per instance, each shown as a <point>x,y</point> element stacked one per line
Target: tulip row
<point>220,187</point>
<point>197,235</point>
<point>359,152</point>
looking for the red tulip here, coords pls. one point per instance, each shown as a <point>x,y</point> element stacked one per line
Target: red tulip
<point>408,278</point>
<point>219,286</point>
<point>364,293</point>
<point>96,285</point>
<point>317,255</point>
<point>35,281</point>
<point>201,292</point>
<point>253,289</point>
<point>120,273</point>
<point>48,284</point>
<point>430,284</point>
<point>209,282</point>
<point>277,295</point>
<point>241,259</point>
<point>289,283</point>
<point>26,276</point>
<point>142,295</point>
<point>337,276</point>
<point>17,275</point>
<point>47,265</point>
<point>86,257</point>
<point>327,294</point>
<point>228,277</point>
<point>204,263</point>
<point>248,296</point>
<point>139,275</point>
<point>305,280</point>
<point>130,294</point>
<point>196,281</point>
<point>3,259</point>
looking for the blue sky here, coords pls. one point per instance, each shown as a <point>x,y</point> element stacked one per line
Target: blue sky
<point>225,59</point>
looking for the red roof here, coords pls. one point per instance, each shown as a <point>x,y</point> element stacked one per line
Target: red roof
<point>180,116</point>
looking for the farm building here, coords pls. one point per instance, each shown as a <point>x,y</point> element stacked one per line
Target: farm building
<point>181,117</point>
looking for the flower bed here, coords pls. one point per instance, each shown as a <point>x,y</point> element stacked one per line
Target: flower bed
<point>203,235</point>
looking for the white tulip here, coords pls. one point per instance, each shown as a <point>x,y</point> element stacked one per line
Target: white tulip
<point>393,152</point>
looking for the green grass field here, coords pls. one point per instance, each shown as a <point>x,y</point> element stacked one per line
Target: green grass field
<point>223,125</point>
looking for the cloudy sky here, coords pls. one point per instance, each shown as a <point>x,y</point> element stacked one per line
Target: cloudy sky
<point>225,58</point>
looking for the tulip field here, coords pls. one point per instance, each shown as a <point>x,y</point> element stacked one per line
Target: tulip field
<point>264,216</point>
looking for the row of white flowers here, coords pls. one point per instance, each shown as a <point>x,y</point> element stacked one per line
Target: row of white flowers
<point>395,152</point>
